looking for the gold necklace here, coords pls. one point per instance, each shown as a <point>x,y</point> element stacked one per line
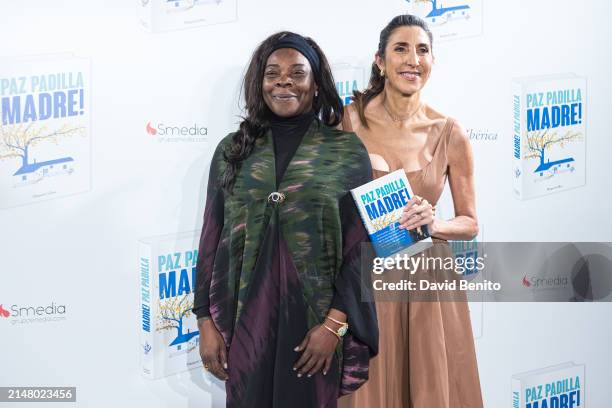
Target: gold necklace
<point>397,118</point>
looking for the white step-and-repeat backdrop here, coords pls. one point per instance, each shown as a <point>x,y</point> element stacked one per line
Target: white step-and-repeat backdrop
<point>110,114</point>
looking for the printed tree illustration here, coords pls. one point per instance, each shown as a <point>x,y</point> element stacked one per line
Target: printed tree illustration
<point>433,5</point>
<point>439,11</point>
<point>17,140</point>
<point>539,141</point>
<point>171,314</point>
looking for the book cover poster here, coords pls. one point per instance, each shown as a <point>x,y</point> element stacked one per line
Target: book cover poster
<point>557,386</point>
<point>472,249</point>
<point>448,19</point>
<point>163,15</point>
<point>169,333</point>
<point>549,134</point>
<point>44,128</point>
<point>349,78</point>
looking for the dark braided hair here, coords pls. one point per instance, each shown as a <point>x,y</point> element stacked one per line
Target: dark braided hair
<point>377,81</point>
<point>327,105</point>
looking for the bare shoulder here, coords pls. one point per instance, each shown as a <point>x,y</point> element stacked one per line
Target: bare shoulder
<point>434,119</point>
<point>458,135</point>
<point>459,147</point>
<point>351,120</point>
<point>432,113</point>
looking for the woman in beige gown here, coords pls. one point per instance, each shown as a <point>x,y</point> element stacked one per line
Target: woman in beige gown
<point>426,351</point>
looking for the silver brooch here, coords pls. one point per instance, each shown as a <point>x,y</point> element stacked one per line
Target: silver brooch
<point>276,197</point>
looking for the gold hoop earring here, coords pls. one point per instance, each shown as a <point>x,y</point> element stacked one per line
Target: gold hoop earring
<point>382,72</point>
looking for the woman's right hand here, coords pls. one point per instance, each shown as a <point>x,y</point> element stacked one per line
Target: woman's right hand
<point>212,349</point>
<point>417,212</point>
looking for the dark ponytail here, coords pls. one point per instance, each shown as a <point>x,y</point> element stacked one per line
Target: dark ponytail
<point>377,81</point>
<point>327,105</point>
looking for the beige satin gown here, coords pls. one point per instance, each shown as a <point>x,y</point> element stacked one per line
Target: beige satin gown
<point>426,354</point>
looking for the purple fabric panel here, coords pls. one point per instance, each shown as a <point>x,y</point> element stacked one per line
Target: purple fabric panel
<point>355,365</point>
<point>209,240</point>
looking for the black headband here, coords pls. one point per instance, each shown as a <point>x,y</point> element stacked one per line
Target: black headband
<point>299,43</point>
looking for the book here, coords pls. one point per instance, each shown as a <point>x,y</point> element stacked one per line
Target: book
<point>349,77</point>
<point>381,203</point>
<point>472,249</point>
<point>448,19</point>
<point>557,386</point>
<point>44,128</point>
<point>169,335</point>
<point>165,15</point>
<point>549,134</point>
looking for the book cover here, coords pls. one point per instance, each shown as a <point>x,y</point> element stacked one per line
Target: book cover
<point>44,128</point>
<point>165,15</point>
<point>169,333</point>
<point>472,249</point>
<point>349,78</point>
<point>549,134</point>
<point>449,19</point>
<point>381,203</point>
<point>557,386</point>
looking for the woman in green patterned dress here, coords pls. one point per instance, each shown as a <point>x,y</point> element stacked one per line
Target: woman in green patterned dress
<point>277,295</point>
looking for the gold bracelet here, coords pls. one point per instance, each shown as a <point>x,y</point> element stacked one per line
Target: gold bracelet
<point>202,319</point>
<point>335,321</point>
<point>332,330</point>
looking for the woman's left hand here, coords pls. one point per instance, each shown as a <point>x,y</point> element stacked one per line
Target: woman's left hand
<point>318,350</point>
<point>417,212</point>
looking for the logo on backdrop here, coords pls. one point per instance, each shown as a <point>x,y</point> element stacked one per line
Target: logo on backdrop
<point>482,135</point>
<point>4,312</point>
<point>553,282</point>
<point>349,78</point>
<point>526,282</point>
<point>176,133</point>
<point>25,314</point>
<point>44,121</point>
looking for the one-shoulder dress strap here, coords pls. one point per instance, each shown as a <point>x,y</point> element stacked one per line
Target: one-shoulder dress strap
<point>447,130</point>
<point>439,162</point>
<point>442,147</point>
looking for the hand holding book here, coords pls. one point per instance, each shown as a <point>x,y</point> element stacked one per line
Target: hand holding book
<point>394,217</point>
<point>417,212</point>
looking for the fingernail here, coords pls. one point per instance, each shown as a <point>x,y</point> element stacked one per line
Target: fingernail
<point>324,372</point>
<point>299,375</point>
<point>309,375</point>
<point>225,365</point>
<point>294,368</point>
<point>297,348</point>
